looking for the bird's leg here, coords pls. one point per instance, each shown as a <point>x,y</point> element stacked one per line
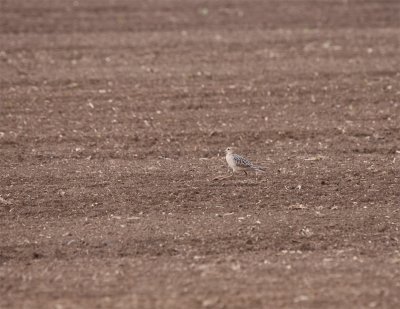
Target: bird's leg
<point>245,172</point>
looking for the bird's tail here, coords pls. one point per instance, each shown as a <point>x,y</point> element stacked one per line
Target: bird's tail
<point>259,168</point>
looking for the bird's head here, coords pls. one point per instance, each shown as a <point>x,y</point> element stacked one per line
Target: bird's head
<point>229,150</point>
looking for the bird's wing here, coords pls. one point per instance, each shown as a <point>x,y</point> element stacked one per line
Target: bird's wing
<point>241,162</point>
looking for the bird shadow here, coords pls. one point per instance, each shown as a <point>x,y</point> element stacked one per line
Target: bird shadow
<point>236,183</point>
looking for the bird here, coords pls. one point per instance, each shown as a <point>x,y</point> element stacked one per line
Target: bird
<point>239,163</point>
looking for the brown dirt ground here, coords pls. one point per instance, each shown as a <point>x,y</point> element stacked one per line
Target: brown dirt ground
<point>113,118</point>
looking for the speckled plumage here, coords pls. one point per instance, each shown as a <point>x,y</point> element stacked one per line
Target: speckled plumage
<point>242,162</point>
<point>239,163</point>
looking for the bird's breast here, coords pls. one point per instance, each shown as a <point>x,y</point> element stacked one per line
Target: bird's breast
<point>230,161</point>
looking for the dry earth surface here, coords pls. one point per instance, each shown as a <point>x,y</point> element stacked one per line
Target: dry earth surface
<point>113,118</point>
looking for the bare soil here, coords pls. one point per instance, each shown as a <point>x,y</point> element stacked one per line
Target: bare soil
<point>113,120</point>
